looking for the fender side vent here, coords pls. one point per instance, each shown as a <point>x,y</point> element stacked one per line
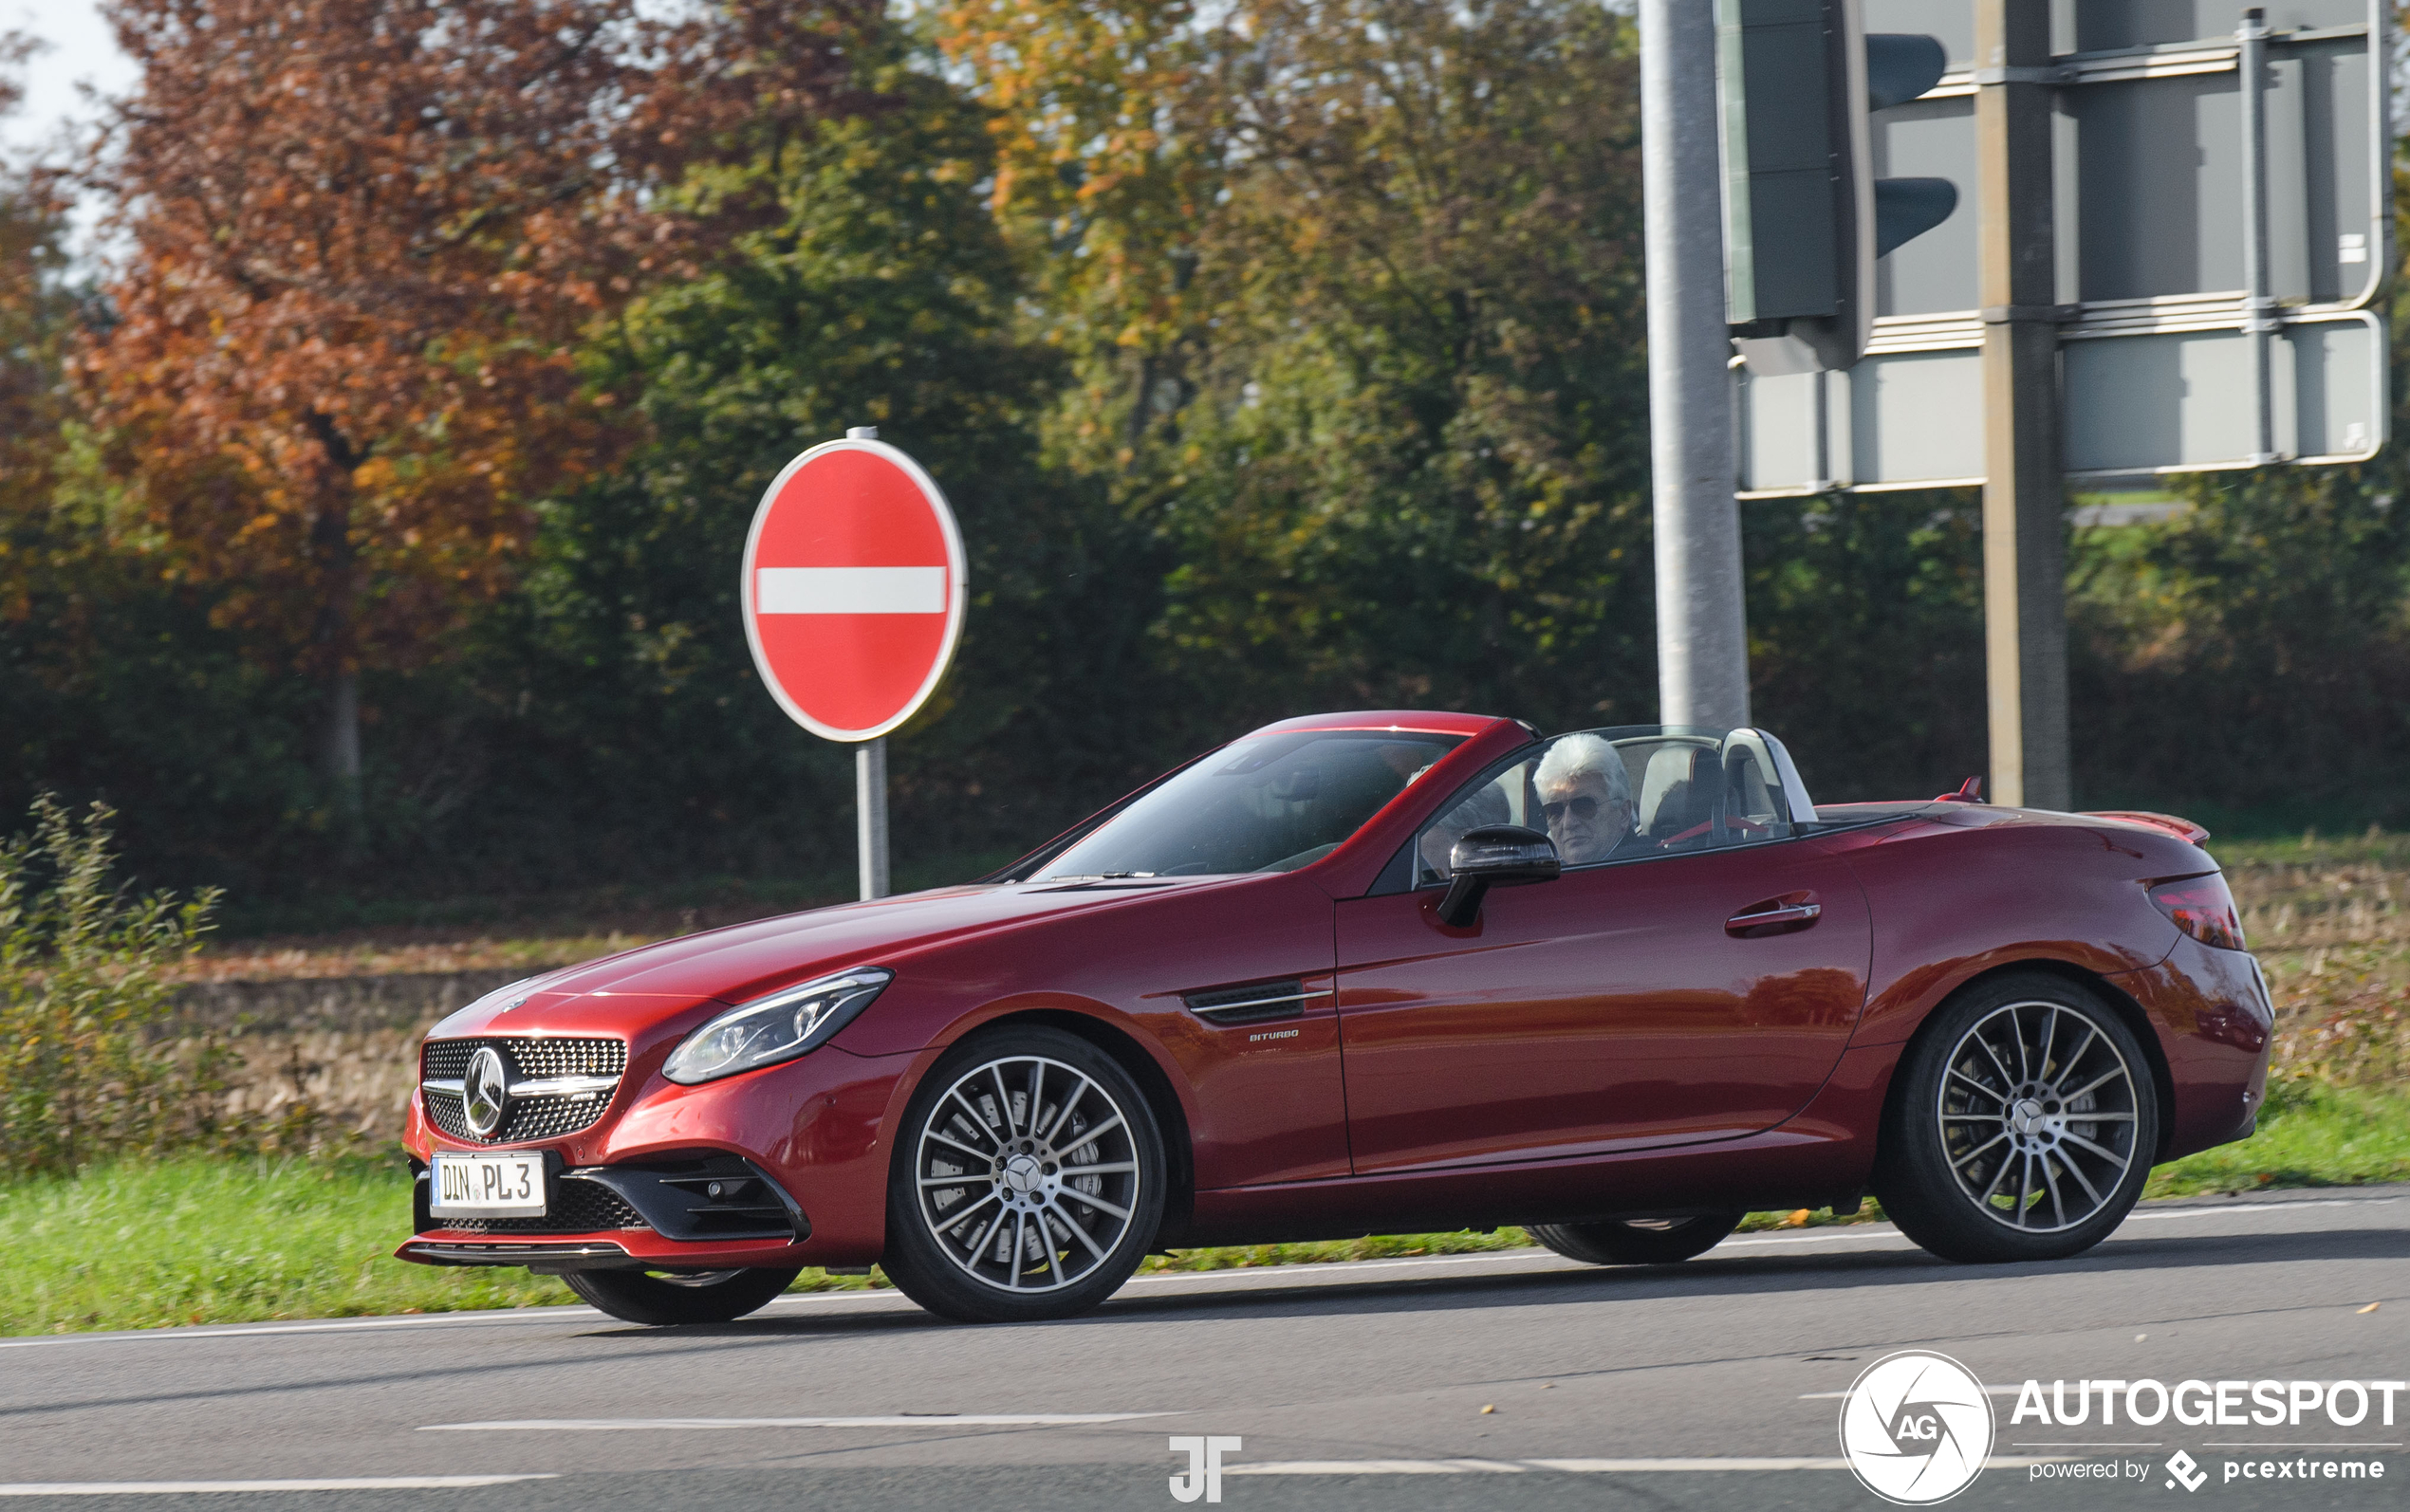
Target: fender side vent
<point>1254,1003</point>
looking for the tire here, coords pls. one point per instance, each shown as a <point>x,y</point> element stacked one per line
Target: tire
<point>1062,1180</point>
<point>2021,1124</point>
<point>707,1297</point>
<point>1637,1241</point>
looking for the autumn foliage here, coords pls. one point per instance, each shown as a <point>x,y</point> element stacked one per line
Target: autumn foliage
<point>366,236</point>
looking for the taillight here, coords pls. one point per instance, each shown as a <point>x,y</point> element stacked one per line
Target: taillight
<point>2202,907</point>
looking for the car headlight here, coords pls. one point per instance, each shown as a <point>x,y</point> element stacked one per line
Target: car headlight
<point>781,1026</point>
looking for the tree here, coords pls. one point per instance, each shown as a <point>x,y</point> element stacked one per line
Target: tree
<point>1398,443</point>
<point>366,237</point>
<point>1103,180</point>
<point>859,279</point>
<point>37,312</point>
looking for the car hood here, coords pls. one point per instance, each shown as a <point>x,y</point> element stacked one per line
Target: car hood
<point>625,992</point>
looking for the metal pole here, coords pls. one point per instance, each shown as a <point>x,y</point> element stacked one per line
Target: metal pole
<point>2024,547</point>
<point>2260,311</point>
<point>1702,637</point>
<point>870,809</point>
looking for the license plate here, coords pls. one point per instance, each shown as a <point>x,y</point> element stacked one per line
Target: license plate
<point>488,1186</point>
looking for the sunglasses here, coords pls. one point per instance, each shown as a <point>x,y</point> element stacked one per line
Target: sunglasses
<point>1584,809</point>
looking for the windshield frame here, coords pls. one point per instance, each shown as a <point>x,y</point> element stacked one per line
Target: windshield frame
<point>1360,859</point>
<point>1277,799</point>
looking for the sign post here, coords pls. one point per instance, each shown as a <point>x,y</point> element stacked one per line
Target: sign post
<point>852,595</point>
<point>2024,560</point>
<point>1702,634</point>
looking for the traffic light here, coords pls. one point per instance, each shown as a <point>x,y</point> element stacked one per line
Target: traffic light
<point>1804,217</point>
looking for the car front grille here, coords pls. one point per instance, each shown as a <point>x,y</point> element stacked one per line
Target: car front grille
<point>578,1206</point>
<point>527,1060</point>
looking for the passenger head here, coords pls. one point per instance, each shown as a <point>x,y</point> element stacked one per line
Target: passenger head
<point>1586,795</point>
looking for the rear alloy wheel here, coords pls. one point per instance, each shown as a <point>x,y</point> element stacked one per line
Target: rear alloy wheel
<point>1637,1241</point>
<point>1028,1181</point>
<point>2021,1126</point>
<point>679,1297</point>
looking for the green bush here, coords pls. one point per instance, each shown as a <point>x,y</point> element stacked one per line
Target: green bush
<point>84,991</point>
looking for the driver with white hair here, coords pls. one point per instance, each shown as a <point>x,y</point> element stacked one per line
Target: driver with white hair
<point>1586,795</point>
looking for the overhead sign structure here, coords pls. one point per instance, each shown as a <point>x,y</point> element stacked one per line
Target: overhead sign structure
<point>2183,223</point>
<point>2220,186</point>
<point>852,595</point>
<point>2172,390</point>
<point>853,588</point>
<point>1799,84</point>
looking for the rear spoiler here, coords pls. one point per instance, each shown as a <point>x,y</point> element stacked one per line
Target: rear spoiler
<point>2184,829</point>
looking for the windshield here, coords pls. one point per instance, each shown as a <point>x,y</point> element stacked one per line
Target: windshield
<point>1267,804</point>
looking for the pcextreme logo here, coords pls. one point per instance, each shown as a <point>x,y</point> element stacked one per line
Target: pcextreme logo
<point>1916,1427</point>
<point>2182,1466</point>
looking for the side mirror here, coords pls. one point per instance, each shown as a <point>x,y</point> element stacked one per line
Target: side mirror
<point>1494,856</point>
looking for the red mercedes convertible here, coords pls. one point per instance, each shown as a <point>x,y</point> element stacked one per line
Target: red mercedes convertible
<point>1364,973</point>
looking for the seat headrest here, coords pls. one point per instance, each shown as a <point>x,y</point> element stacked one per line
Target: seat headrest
<point>1671,788</point>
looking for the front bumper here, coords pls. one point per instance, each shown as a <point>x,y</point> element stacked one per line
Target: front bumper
<point>606,1217</point>
<point>796,1149</point>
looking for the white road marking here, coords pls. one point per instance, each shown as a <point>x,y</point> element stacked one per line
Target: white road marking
<point>1341,1269</point>
<point>850,590</point>
<point>614,1425</point>
<point>1832,1233</point>
<point>1572,1467</point>
<point>357,1483</point>
<point>1377,1468</point>
<point>502,1315</point>
<point>2163,1215</point>
<point>1892,1236</point>
<point>1835,1396</point>
<point>1320,1272</point>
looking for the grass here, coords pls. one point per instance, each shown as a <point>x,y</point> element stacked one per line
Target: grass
<point>2312,1135</point>
<point>200,1239</point>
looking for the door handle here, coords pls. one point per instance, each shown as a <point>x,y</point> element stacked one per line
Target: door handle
<point>1775,916</point>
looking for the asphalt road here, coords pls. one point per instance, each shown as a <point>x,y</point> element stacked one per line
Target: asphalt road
<point>1710,1384</point>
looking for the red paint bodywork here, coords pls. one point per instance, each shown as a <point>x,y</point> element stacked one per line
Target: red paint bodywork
<point>1599,1043</point>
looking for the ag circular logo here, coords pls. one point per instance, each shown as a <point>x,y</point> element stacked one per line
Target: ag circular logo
<point>1916,1427</point>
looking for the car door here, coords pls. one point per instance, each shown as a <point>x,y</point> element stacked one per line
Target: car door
<point>1685,995</point>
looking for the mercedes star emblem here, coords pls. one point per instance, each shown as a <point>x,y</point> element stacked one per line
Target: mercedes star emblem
<point>487,1092</point>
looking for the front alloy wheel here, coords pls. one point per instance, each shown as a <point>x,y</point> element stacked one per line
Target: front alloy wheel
<point>2024,1126</point>
<point>1028,1182</point>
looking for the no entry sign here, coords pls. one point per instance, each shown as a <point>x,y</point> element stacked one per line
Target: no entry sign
<point>853,588</point>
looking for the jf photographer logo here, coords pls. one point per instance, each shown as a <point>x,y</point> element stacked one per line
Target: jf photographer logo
<point>1204,1476</point>
<point>1916,1427</point>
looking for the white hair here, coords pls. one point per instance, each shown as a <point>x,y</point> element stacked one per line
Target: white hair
<point>1576,754</point>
